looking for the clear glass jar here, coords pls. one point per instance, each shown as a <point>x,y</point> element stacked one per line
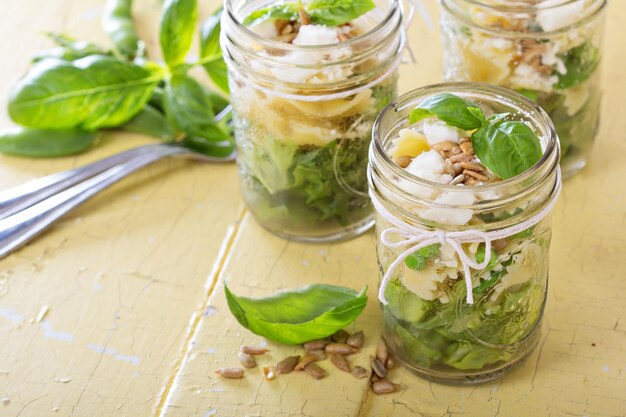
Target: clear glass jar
<point>547,50</point>
<point>303,116</point>
<point>428,323</point>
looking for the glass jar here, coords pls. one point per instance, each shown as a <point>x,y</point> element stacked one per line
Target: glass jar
<point>431,323</point>
<point>547,50</point>
<point>303,116</point>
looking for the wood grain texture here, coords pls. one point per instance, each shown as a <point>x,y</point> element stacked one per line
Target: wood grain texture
<point>137,323</point>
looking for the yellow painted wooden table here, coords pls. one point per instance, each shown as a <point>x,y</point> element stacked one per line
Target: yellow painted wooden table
<point>119,310</point>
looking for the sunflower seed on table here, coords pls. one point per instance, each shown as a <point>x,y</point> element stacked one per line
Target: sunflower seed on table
<point>382,353</point>
<point>340,362</point>
<point>287,365</point>
<point>304,361</point>
<point>390,363</point>
<point>341,348</point>
<point>315,371</point>
<point>356,339</point>
<point>340,336</point>
<point>247,360</point>
<point>378,367</point>
<point>374,377</point>
<point>315,344</point>
<point>231,373</point>
<point>254,350</point>
<point>359,372</point>
<point>268,373</point>
<point>319,354</point>
<point>384,387</point>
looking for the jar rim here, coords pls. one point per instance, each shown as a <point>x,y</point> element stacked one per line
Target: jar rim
<point>402,101</point>
<point>528,8</point>
<point>274,44</point>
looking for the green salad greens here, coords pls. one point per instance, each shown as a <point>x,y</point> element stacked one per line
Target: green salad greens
<point>298,316</point>
<point>320,12</point>
<point>78,89</point>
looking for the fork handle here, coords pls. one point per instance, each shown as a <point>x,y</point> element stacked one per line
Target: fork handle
<point>21,227</point>
<point>25,195</point>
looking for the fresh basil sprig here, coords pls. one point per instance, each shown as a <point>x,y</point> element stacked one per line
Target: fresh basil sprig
<point>321,12</point>
<point>79,88</point>
<point>507,148</point>
<point>298,316</point>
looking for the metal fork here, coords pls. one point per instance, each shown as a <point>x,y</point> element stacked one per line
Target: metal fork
<point>28,209</point>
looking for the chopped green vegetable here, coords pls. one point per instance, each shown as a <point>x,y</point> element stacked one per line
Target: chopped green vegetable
<point>419,259</point>
<point>580,63</point>
<point>298,316</point>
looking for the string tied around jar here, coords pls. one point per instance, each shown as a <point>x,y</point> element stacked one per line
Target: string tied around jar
<point>414,238</point>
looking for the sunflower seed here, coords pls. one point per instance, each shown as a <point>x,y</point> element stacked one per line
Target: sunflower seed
<point>340,336</point>
<point>233,373</point>
<point>340,362</point>
<point>254,350</point>
<point>384,387</point>
<point>359,372</point>
<point>449,167</point>
<point>443,146</point>
<point>315,371</point>
<point>467,148</point>
<point>457,180</point>
<point>456,150</point>
<point>268,373</point>
<point>473,166</point>
<point>315,344</point>
<point>390,363</point>
<point>319,354</point>
<point>341,348</point>
<point>461,157</point>
<point>246,360</point>
<point>378,367</point>
<point>382,353</point>
<point>403,161</point>
<point>356,339</point>
<point>306,359</point>
<point>477,175</point>
<point>463,140</point>
<point>287,365</point>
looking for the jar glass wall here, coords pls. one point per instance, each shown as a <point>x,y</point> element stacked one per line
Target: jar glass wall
<point>428,323</point>
<point>303,115</point>
<point>547,50</point>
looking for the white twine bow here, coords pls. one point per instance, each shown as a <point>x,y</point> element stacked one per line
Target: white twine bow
<point>415,238</point>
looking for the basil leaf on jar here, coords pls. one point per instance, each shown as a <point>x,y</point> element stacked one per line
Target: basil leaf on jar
<point>451,109</point>
<point>337,12</point>
<point>298,316</point>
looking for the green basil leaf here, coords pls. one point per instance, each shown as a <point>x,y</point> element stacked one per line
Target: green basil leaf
<point>451,109</point>
<point>90,93</point>
<point>45,143</point>
<point>507,148</point>
<point>206,147</point>
<point>69,49</point>
<point>298,316</point>
<point>337,12</point>
<point>418,260</point>
<point>117,22</point>
<point>218,101</point>
<point>178,23</point>
<point>277,12</point>
<point>188,109</point>
<point>580,63</point>
<point>210,49</point>
<point>150,121</point>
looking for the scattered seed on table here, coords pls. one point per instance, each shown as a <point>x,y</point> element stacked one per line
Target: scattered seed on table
<point>306,359</point>
<point>286,365</point>
<point>246,360</point>
<point>390,363</point>
<point>268,373</point>
<point>233,373</point>
<point>382,353</point>
<point>340,336</point>
<point>378,368</point>
<point>374,377</point>
<point>341,348</point>
<point>384,387</point>
<point>315,344</point>
<point>315,371</point>
<point>340,362</point>
<point>356,339</point>
<point>319,354</point>
<point>254,350</point>
<point>359,372</point>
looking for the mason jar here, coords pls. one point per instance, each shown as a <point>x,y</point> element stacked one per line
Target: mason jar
<point>431,323</point>
<point>303,116</point>
<point>547,50</point>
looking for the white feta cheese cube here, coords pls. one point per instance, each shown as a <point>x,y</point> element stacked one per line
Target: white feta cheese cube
<point>437,131</point>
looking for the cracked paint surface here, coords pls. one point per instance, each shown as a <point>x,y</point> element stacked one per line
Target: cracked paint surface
<point>135,319</point>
